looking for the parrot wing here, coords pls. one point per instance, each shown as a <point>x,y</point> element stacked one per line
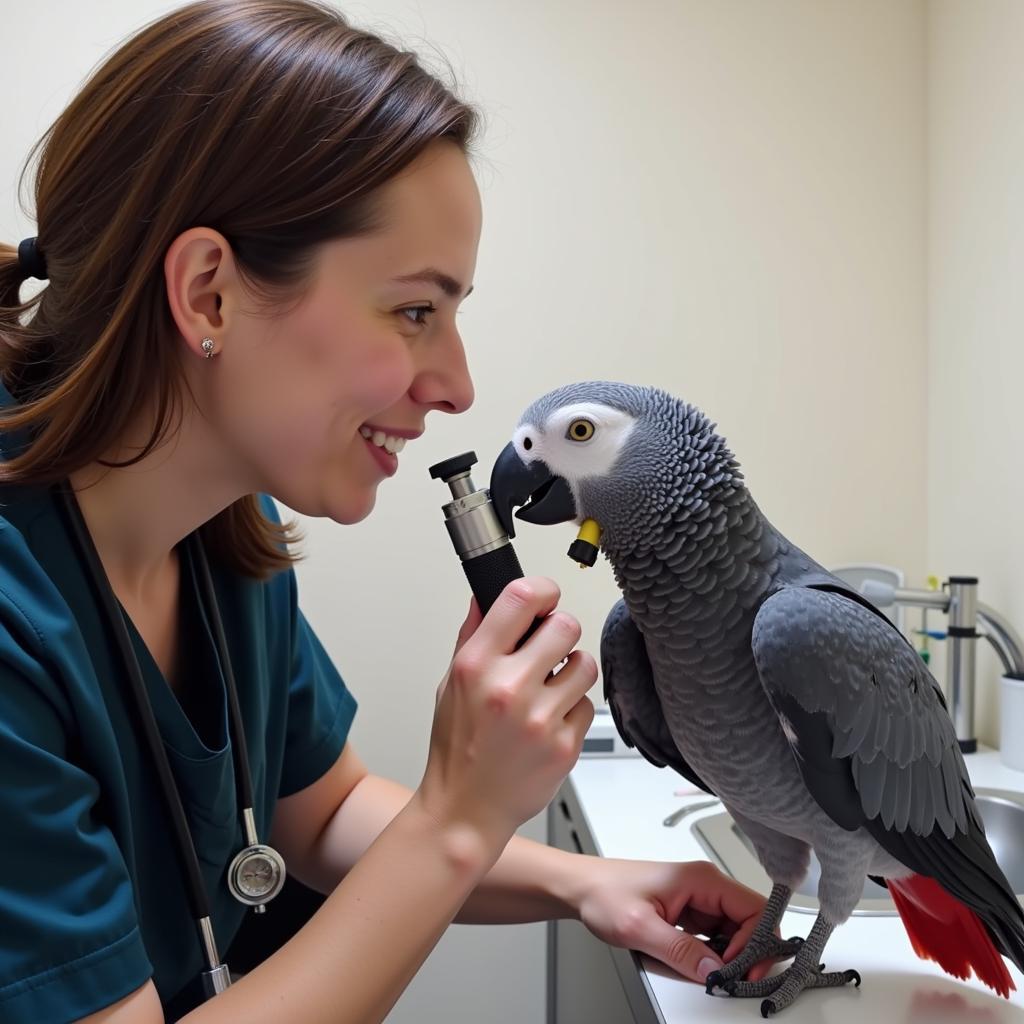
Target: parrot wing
<point>876,746</point>
<point>630,693</point>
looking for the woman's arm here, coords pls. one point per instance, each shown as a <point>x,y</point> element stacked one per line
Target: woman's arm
<point>631,904</point>
<point>502,741</point>
<point>634,904</point>
<point>323,830</point>
<point>352,960</point>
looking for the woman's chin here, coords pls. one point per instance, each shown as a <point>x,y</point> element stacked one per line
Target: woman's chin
<point>345,505</point>
<point>353,507</point>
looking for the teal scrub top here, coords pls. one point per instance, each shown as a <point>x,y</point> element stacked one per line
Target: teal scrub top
<point>92,900</point>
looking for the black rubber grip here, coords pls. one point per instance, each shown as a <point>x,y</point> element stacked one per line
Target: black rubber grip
<point>490,573</point>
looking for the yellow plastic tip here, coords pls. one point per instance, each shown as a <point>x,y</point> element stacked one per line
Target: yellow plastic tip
<point>590,532</point>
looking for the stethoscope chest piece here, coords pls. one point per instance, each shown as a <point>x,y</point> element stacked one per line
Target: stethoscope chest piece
<point>256,875</point>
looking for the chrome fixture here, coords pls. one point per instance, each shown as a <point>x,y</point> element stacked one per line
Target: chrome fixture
<point>958,599</point>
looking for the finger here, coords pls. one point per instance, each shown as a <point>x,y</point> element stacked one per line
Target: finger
<point>512,614</point>
<point>579,717</point>
<point>470,624</point>
<point>760,970</point>
<point>573,730</point>
<point>715,893</point>
<point>680,950</point>
<point>700,923</point>
<point>466,630</point>
<point>551,643</point>
<point>572,683</point>
<point>741,937</point>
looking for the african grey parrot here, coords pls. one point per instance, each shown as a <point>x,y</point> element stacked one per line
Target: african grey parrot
<point>740,662</point>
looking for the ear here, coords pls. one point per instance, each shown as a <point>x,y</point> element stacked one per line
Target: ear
<point>201,281</point>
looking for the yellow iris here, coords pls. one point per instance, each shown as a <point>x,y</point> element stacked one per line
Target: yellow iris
<point>580,430</point>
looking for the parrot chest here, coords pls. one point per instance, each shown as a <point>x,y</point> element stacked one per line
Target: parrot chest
<point>726,730</point>
<point>697,628</point>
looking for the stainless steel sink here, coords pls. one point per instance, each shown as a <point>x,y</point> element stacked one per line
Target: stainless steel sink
<point>1002,811</point>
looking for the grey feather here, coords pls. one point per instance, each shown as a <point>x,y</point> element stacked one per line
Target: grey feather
<point>750,652</point>
<point>629,690</point>
<point>831,654</point>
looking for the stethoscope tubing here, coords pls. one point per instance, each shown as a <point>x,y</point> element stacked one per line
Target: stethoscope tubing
<point>186,850</point>
<point>216,977</point>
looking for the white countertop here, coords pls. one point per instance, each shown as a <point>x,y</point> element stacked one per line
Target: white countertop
<point>625,800</point>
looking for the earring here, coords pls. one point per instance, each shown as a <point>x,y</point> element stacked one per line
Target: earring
<point>207,346</point>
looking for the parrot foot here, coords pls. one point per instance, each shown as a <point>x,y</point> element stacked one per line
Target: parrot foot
<point>785,987</point>
<point>755,950</point>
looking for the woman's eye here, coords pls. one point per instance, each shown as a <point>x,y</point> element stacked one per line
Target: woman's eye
<point>580,430</point>
<point>418,314</point>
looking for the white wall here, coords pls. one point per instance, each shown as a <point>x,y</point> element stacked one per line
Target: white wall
<point>721,197</point>
<point>976,308</point>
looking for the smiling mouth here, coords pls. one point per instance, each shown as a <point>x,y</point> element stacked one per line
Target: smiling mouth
<point>386,442</point>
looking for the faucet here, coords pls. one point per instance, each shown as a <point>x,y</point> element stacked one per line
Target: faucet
<point>959,600</point>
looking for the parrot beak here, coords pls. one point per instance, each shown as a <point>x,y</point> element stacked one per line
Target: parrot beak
<point>546,498</point>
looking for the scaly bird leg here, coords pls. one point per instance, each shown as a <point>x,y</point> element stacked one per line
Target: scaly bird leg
<point>804,972</point>
<point>762,944</point>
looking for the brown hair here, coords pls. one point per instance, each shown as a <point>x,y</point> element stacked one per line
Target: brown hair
<point>272,121</point>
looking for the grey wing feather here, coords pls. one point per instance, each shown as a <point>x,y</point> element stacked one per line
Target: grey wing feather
<point>877,707</point>
<point>629,690</point>
<point>836,670</point>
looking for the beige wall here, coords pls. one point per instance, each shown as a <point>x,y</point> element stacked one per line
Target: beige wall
<point>976,307</point>
<point>725,198</point>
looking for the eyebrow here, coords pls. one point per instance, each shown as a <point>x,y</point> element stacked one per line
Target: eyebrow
<point>430,275</point>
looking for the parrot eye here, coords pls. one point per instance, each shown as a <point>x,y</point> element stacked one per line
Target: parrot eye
<point>580,430</point>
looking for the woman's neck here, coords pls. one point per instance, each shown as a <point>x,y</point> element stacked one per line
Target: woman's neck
<point>137,514</point>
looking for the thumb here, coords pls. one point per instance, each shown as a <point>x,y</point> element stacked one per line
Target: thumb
<point>469,626</point>
<point>681,951</point>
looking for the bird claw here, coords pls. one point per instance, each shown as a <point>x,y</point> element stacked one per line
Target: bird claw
<point>784,988</point>
<point>727,977</point>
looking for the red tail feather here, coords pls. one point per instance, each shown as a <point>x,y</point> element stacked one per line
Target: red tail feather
<point>942,929</point>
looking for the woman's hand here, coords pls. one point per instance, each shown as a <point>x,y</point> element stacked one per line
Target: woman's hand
<point>506,730</point>
<point>636,905</point>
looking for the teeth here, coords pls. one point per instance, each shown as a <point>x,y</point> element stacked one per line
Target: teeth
<point>390,444</point>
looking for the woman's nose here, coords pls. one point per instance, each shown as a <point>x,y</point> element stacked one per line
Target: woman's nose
<point>445,383</point>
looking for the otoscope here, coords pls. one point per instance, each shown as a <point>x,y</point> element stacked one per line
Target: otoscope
<point>488,558</point>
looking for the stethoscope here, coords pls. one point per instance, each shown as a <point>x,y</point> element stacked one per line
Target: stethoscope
<point>257,873</point>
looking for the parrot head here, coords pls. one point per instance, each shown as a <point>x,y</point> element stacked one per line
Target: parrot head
<point>630,463</point>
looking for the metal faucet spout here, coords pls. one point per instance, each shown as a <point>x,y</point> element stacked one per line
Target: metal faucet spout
<point>959,600</point>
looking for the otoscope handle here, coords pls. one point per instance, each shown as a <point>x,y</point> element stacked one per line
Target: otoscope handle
<point>490,573</point>
<point>488,558</point>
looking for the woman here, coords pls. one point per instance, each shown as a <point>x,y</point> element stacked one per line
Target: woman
<point>256,223</point>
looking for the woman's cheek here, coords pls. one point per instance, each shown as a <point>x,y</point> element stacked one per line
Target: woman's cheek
<point>384,375</point>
